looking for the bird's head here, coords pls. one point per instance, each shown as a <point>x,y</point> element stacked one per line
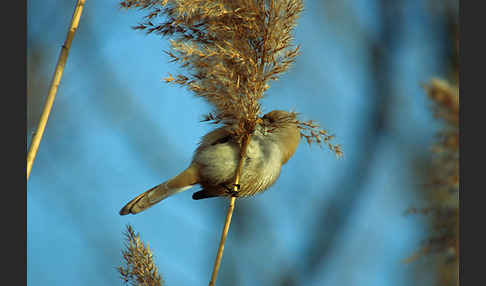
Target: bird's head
<point>284,126</point>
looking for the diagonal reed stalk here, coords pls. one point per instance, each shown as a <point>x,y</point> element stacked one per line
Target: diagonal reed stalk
<point>61,63</point>
<point>229,214</point>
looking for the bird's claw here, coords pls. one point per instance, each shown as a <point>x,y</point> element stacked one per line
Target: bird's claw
<point>231,191</point>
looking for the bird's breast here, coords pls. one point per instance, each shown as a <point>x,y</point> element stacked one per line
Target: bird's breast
<point>261,169</point>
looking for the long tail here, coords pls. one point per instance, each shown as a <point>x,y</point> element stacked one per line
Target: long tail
<point>181,182</point>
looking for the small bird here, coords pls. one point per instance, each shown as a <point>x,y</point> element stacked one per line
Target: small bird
<point>216,159</point>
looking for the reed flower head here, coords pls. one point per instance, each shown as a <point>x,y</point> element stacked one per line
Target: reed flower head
<point>140,268</point>
<point>231,50</point>
<point>445,98</point>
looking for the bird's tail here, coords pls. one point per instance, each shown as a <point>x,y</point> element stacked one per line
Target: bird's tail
<point>181,182</point>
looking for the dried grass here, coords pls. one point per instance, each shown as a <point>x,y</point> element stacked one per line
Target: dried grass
<point>231,50</point>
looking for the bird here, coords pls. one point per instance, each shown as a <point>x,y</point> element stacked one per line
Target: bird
<point>274,141</point>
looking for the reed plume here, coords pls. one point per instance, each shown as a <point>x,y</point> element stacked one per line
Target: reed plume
<point>442,187</point>
<point>230,50</point>
<point>140,269</point>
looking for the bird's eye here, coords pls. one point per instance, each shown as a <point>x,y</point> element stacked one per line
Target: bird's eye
<point>269,119</point>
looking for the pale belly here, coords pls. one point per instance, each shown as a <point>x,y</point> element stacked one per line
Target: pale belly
<point>261,169</point>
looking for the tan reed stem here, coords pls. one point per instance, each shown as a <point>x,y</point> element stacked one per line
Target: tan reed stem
<point>61,62</point>
<point>229,214</point>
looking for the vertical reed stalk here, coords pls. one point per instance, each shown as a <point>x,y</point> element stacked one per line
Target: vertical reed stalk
<point>61,62</point>
<point>229,214</point>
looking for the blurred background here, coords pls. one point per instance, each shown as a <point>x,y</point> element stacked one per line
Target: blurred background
<point>116,129</point>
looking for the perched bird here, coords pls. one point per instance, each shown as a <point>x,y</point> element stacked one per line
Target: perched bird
<point>215,161</point>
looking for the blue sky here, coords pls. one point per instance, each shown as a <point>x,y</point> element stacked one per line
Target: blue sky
<point>117,129</point>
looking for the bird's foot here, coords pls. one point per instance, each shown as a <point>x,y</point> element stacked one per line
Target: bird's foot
<point>231,191</point>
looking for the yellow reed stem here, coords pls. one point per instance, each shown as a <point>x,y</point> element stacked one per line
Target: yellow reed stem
<point>61,62</point>
<point>229,214</point>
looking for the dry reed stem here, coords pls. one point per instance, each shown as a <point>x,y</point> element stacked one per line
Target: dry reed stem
<point>61,63</point>
<point>229,214</point>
